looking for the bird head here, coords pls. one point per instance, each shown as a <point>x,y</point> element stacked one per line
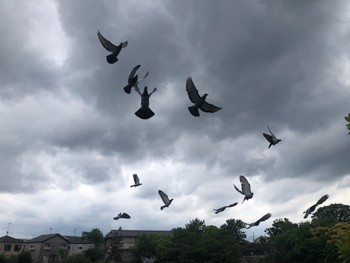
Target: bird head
<point>205,95</point>
<point>145,91</point>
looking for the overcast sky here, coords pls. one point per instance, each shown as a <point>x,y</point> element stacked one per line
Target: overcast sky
<point>70,141</point>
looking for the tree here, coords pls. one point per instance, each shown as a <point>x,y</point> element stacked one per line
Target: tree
<point>331,214</point>
<point>78,258</point>
<point>280,226</point>
<point>95,235</point>
<point>234,228</point>
<point>94,254</point>
<point>340,237</point>
<point>114,250</point>
<point>24,257</point>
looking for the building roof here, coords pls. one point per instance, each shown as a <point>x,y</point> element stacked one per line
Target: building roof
<point>43,238</point>
<point>136,233</point>
<point>77,240</point>
<point>8,239</point>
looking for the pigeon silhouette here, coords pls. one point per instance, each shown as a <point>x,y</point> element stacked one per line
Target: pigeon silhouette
<point>136,181</point>
<point>148,260</point>
<point>121,215</point>
<point>221,209</point>
<point>165,199</point>
<point>144,112</point>
<point>264,218</point>
<point>112,58</point>
<point>271,138</point>
<point>313,207</point>
<point>245,188</point>
<point>133,80</point>
<point>199,101</point>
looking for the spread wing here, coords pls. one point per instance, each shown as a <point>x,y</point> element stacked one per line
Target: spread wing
<point>136,179</point>
<point>268,137</point>
<point>192,91</point>
<point>322,199</point>
<point>152,259</point>
<point>232,205</point>
<point>264,218</point>
<point>106,43</point>
<point>238,189</point>
<point>144,259</point>
<point>124,215</point>
<point>132,73</point>
<point>164,197</point>
<point>207,107</point>
<point>245,185</point>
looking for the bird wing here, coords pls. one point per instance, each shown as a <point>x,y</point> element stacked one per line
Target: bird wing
<point>207,107</point>
<point>192,91</point>
<point>125,215</point>
<point>264,218</point>
<point>238,189</point>
<point>144,76</point>
<point>144,259</point>
<point>232,205</point>
<point>271,132</point>
<point>268,137</point>
<point>245,185</point>
<point>164,197</point>
<point>136,179</point>
<point>132,73</point>
<point>106,43</point>
<point>322,199</point>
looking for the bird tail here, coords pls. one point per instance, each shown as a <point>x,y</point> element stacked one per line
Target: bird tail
<point>127,89</point>
<point>111,59</point>
<point>194,111</point>
<point>270,145</point>
<point>144,113</point>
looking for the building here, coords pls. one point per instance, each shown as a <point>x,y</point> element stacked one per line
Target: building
<point>129,238</point>
<point>10,245</point>
<point>78,245</point>
<point>47,248</point>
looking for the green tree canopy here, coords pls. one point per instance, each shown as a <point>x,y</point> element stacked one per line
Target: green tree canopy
<point>280,226</point>
<point>331,214</point>
<point>24,257</point>
<point>234,227</point>
<point>95,235</point>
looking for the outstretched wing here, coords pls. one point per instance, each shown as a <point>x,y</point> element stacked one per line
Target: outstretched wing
<point>264,218</point>
<point>207,107</point>
<point>125,215</point>
<point>152,259</point>
<point>136,179</point>
<point>232,205</point>
<point>144,259</point>
<point>106,43</point>
<point>164,197</point>
<point>238,189</point>
<point>132,73</point>
<point>192,91</point>
<point>322,199</point>
<point>245,185</point>
<point>268,137</point>
<point>271,132</point>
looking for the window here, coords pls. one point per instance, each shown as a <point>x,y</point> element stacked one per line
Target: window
<point>17,248</point>
<point>80,247</point>
<point>7,247</point>
<point>47,246</point>
<point>32,247</point>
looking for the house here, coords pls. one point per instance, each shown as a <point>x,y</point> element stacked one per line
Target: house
<point>129,238</point>
<point>10,245</point>
<point>47,248</point>
<point>78,245</point>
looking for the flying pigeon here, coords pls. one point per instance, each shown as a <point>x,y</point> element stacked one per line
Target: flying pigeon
<point>112,58</point>
<point>347,118</point>
<point>264,218</point>
<point>121,215</point>
<point>144,112</point>
<point>148,260</point>
<point>224,207</point>
<point>271,138</point>
<point>136,181</point>
<point>313,207</point>
<point>245,188</point>
<point>133,80</point>
<point>199,102</point>
<point>165,199</point>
